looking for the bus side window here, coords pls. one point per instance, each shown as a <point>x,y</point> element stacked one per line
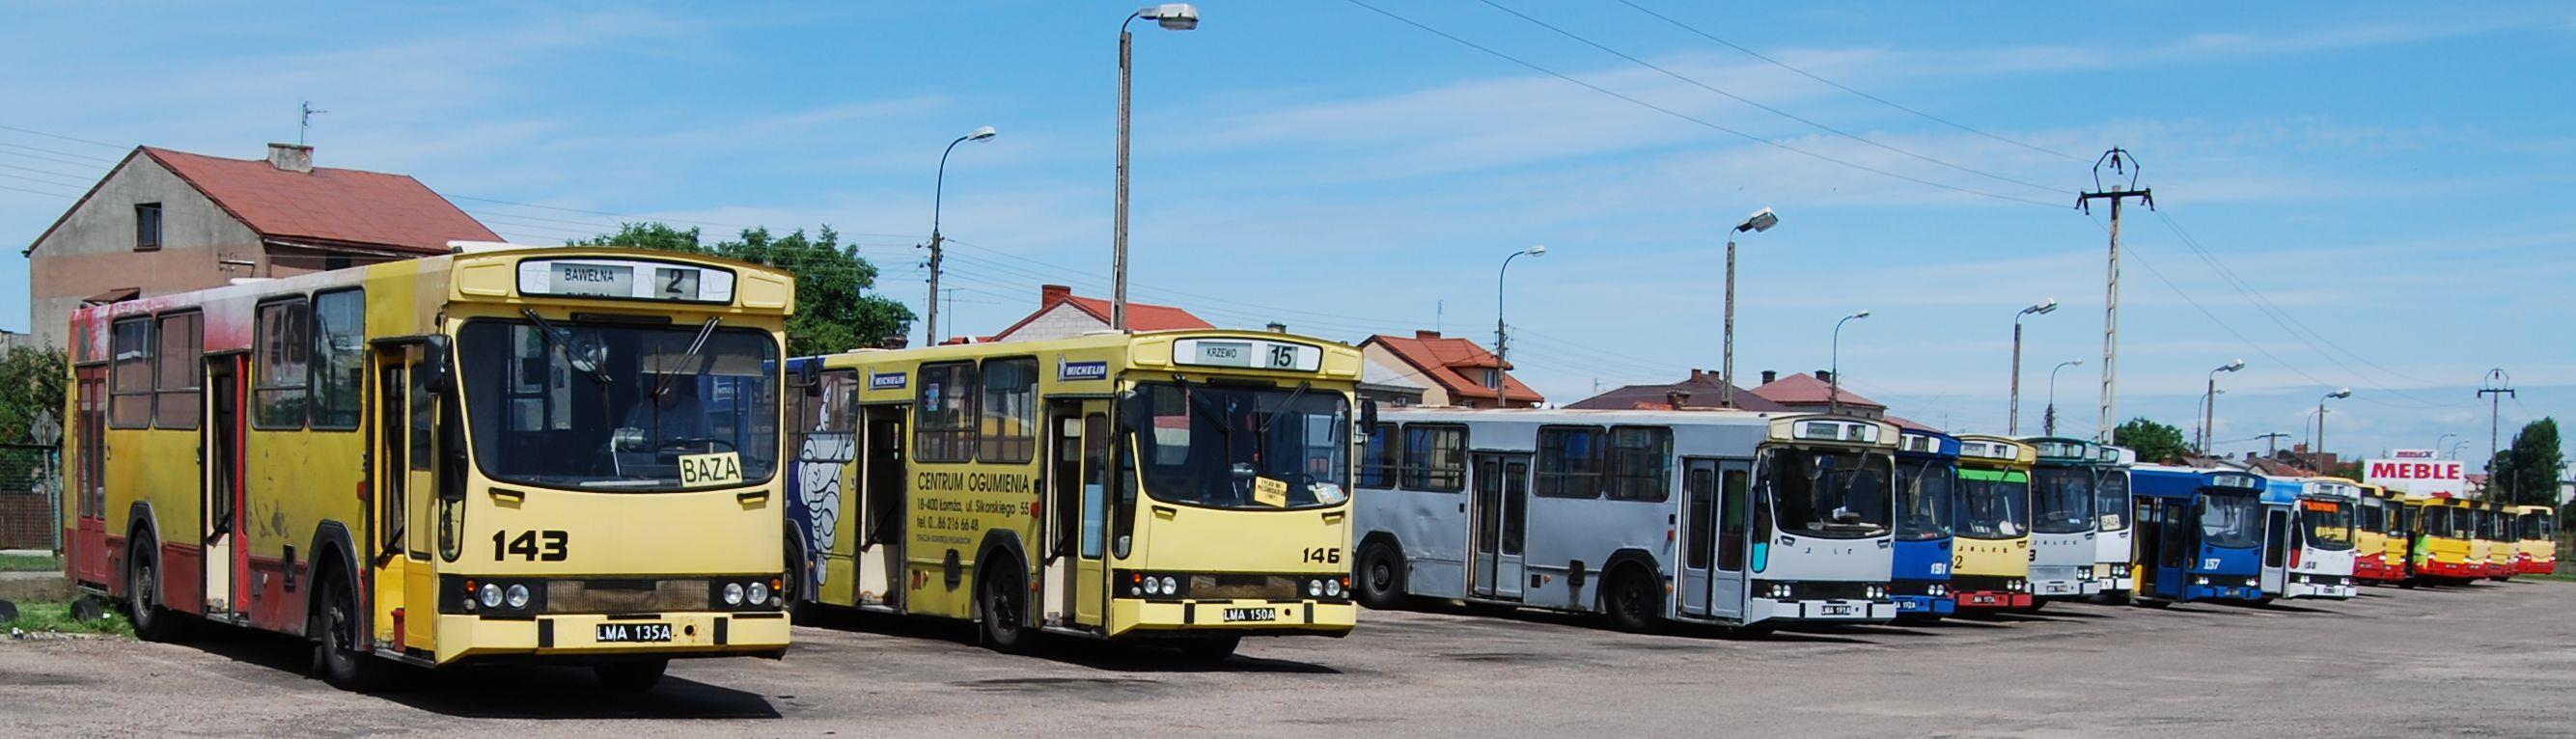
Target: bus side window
<point>1736,497</point>
<point>1095,472</point>
<point>1379,458</point>
<point>1122,515</point>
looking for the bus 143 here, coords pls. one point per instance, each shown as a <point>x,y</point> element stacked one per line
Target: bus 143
<point>556,454</point>
<point>1187,488</point>
<point>2200,534</point>
<point>1745,518</point>
<point>1991,568</point>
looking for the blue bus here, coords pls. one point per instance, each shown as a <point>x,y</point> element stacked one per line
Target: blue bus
<point>1927,471</point>
<point>2200,534</point>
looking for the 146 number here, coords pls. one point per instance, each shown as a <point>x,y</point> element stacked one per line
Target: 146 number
<point>533,546</point>
<point>1325,555</point>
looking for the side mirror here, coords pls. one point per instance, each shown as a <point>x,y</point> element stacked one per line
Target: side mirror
<point>804,375</point>
<point>434,365</point>
<point>1368,415</point>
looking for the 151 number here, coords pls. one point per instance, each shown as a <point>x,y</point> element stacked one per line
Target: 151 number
<point>1325,555</point>
<point>533,546</point>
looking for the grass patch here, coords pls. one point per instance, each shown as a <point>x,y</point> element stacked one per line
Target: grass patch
<point>56,617</point>
<point>2561,576</point>
<point>30,563</point>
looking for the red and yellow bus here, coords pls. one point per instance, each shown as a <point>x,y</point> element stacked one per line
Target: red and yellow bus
<point>518,454</point>
<point>2539,529</point>
<point>2380,548</point>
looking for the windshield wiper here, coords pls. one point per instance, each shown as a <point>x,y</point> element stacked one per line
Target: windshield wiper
<point>1284,408</point>
<point>562,342</point>
<point>662,382</point>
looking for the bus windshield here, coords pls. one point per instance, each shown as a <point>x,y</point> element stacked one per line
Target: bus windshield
<point>2537,526</point>
<point>615,407</point>
<point>1247,448</point>
<point>1828,494</point>
<point>2374,516</point>
<point>2111,500</point>
<point>1923,500</point>
<point>2230,520</point>
<point>2063,497</point>
<point>1994,509</point>
<point>2329,524</point>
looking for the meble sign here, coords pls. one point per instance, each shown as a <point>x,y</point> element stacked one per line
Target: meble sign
<point>2417,476</point>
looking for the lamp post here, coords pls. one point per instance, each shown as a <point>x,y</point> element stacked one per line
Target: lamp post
<point>2440,443</point>
<point>2209,406</point>
<point>2321,417</point>
<point>1834,373</point>
<point>2049,425</point>
<point>1502,340</point>
<point>2456,446</point>
<point>938,192</point>
<point>1171,16</point>
<point>2012,420</point>
<point>1761,220</point>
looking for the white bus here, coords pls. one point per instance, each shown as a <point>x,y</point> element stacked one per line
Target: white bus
<point>1722,517</point>
<point>2308,546</point>
<point>2111,508</point>
<point>2064,531</point>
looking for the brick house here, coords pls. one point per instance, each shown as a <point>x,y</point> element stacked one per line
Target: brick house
<point>1699,392</point>
<point>1454,371</point>
<point>1814,394</point>
<point>1062,314</point>
<point>166,221</point>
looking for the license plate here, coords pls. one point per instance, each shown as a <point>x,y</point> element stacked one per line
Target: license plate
<point>652,632</point>
<point>1836,610</point>
<point>1983,600</point>
<point>1902,605</point>
<point>1233,615</point>
<point>2061,588</point>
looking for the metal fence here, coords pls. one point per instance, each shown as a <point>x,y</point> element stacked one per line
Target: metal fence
<point>31,487</point>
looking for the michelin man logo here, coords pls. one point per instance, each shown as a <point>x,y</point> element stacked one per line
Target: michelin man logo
<point>818,475</point>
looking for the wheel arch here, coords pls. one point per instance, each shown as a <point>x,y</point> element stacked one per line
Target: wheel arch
<point>333,548</point>
<point>997,543</point>
<point>1620,562</point>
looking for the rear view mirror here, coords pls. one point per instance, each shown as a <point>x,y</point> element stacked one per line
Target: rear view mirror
<point>1368,414</point>
<point>434,363</point>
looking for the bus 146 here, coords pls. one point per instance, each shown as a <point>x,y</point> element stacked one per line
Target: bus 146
<point>1991,568</point>
<point>1927,472</point>
<point>523,454</point>
<point>1187,488</point>
<point>1744,518</point>
<point>2200,534</point>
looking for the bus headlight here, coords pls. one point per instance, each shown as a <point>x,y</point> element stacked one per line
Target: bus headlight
<point>1333,588</point>
<point>491,595</point>
<point>1171,586</point>
<point>733,593</point>
<point>759,593</point>
<point>2200,580</point>
<point>517,594</point>
<point>1314,588</point>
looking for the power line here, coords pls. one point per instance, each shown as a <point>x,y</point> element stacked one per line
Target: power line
<point>37,192</point>
<point>1695,120</point>
<point>2279,315</point>
<point>63,137</point>
<point>42,150</point>
<point>1748,101</point>
<point>1843,87</point>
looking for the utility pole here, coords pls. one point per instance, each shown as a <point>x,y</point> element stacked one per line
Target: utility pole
<point>2497,387</point>
<point>2121,162</point>
<point>2274,446</point>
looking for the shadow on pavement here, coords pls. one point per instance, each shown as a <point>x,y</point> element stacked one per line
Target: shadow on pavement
<point>1095,654</point>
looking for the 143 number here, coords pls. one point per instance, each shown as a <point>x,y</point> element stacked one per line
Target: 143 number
<point>1325,555</point>
<point>533,546</point>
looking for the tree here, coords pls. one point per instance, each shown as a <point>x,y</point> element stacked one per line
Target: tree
<point>2527,473</point>
<point>31,383</point>
<point>2154,442</point>
<point>835,310</point>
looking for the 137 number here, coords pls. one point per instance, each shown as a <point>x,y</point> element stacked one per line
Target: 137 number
<point>533,546</point>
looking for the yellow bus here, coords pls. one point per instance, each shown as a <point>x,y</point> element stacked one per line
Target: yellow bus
<point>565,455</point>
<point>2380,546</point>
<point>2504,540</point>
<point>1186,488</point>
<point>2443,550</point>
<point>1990,564</point>
<point>2539,529</point>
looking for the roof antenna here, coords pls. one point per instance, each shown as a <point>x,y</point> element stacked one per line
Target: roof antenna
<point>307,123</point>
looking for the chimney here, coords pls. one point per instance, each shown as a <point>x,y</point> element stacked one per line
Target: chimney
<point>1049,295</point>
<point>1698,374</point>
<point>291,157</point>
<point>1770,376</point>
<point>894,341</point>
<point>1278,328</point>
<point>1425,335</point>
<point>1678,399</point>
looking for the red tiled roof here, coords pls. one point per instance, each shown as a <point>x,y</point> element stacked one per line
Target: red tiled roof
<point>327,205</point>
<point>1703,387</point>
<point>1807,390</point>
<point>1441,358</point>
<point>1140,316</point>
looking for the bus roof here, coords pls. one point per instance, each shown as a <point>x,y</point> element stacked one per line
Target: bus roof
<point>1999,451</point>
<point>1926,443</point>
<point>1333,360</point>
<point>2168,481</point>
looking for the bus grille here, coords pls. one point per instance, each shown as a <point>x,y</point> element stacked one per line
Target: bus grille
<point>1250,587</point>
<point>625,596</point>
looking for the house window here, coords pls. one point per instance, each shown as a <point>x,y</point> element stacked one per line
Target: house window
<point>335,261</point>
<point>147,226</point>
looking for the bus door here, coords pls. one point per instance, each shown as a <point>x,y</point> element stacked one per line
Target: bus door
<point>2276,546</point>
<point>1076,520</point>
<point>881,549</point>
<point>403,480</point>
<point>221,451</point>
<point>88,547</point>
<point>2155,539</point>
<point>1698,532</point>
<point>1713,528</point>
<point>1500,507</point>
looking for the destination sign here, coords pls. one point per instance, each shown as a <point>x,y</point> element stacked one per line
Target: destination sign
<point>625,279</point>
<point>1249,354</point>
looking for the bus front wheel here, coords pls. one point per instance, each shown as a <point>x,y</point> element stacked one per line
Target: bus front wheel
<point>1633,600</point>
<point>1003,600</point>
<point>143,595</point>
<point>630,676</point>
<point>343,666</point>
<point>1381,577</point>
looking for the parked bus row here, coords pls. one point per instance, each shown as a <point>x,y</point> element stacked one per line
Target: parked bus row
<point>602,457</point>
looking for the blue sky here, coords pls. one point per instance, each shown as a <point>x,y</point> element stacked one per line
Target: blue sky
<point>2378,180</point>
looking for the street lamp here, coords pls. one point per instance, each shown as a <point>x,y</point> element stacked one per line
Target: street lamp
<point>1174,17</point>
<point>1834,373</point>
<point>2209,407</point>
<point>1501,340</point>
<point>2321,416</point>
<point>2012,421</point>
<point>938,192</point>
<point>2441,442</point>
<point>1761,220</point>
<point>2049,425</point>
<point>2456,446</point>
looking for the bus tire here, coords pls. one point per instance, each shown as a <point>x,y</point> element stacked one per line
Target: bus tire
<point>335,627</point>
<point>143,608</point>
<point>1380,576</point>
<point>630,675</point>
<point>798,569</point>
<point>2150,602</point>
<point>1632,599</point>
<point>1210,650</point>
<point>1001,600</point>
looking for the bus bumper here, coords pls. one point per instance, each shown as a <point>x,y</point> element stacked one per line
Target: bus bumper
<point>2540,567</point>
<point>1919,605</point>
<point>1248,616</point>
<point>2057,588</point>
<point>580,635</point>
<point>2376,569</point>
<point>1766,609</point>
<point>2309,586</point>
<point>1991,599</point>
